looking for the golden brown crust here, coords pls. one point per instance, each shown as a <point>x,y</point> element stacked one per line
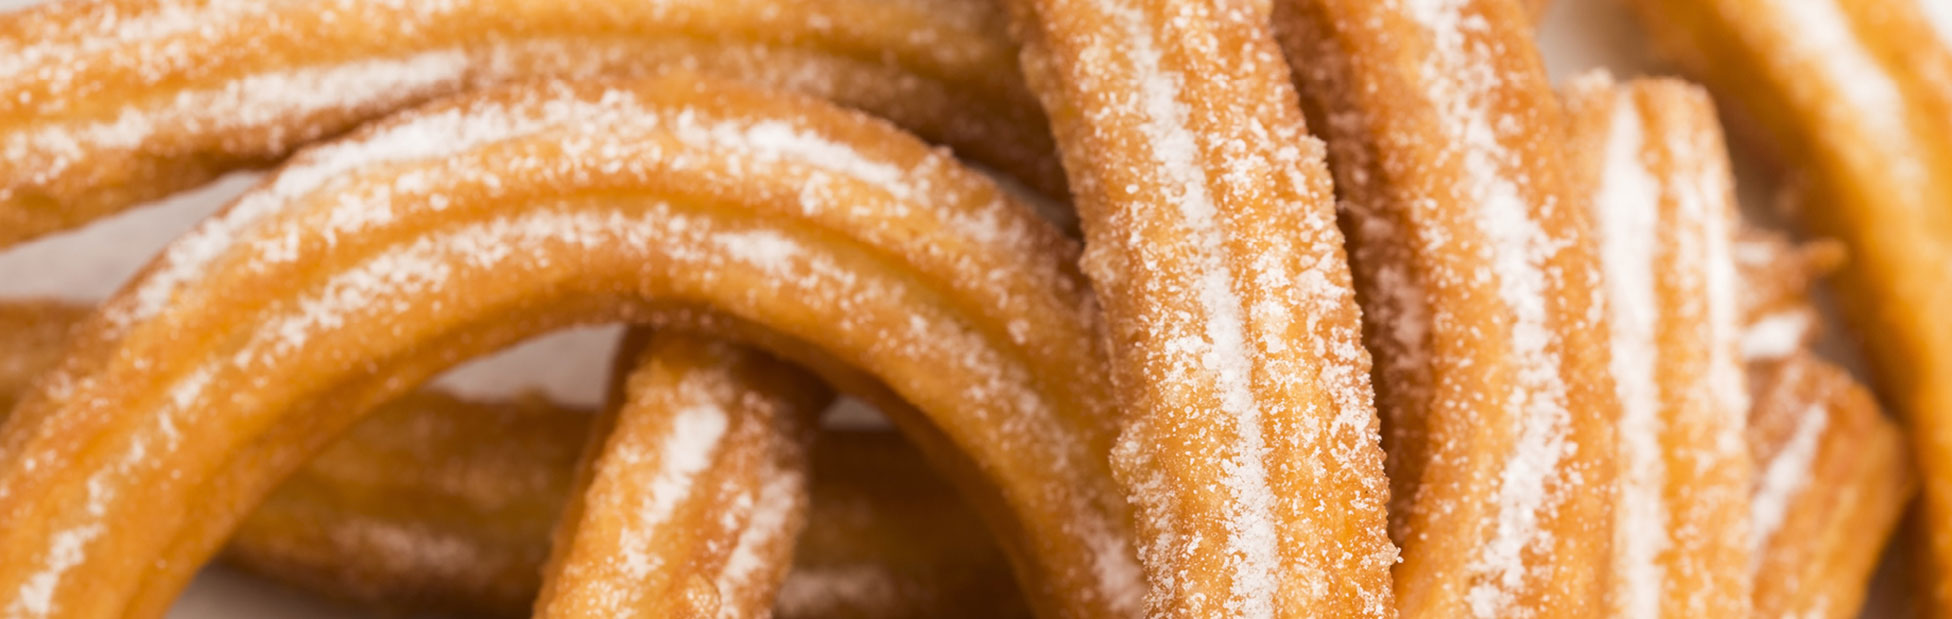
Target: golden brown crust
<point>1480,295</point>
<point>32,334</point>
<point>1855,96</point>
<point>440,504</point>
<point>1834,478</point>
<point>1250,450</point>
<point>1650,155</point>
<point>905,266</point>
<point>115,102</point>
<point>696,478</point>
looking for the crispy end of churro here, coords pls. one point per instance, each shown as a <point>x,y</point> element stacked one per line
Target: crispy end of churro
<point>1480,291</point>
<point>1855,96</point>
<point>695,478</point>
<point>1250,449</point>
<point>362,269</point>
<point>116,102</point>
<point>1833,478</point>
<point>1650,153</point>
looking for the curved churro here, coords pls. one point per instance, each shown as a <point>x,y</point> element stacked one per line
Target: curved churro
<point>1481,292</point>
<point>110,103</point>
<point>692,489</point>
<point>362,268</point>
<point>1855,97</point>
<point>1251,448</point>
<point>443,505</point>
<point>1651,156</point>
<point>1833,478</point>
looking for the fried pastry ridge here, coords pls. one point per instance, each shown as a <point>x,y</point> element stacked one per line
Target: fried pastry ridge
<point>1833,479</point>
<point>1663,201</point>
<point>438,504</point>
<point>1250,450</point>
<point>1481,294</point>
<point>692,489</point>
<point>370,263</point>
<point>112,103</point>
<point>1854,97</point>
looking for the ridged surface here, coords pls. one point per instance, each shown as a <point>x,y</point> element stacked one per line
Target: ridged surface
<point>115,102</point>
<point>364,267</point>
<point>1856,97</point>
<point>1650,153</point>
<point>1251,449</point>
<point>692,488</point>
<point>1480,287</point>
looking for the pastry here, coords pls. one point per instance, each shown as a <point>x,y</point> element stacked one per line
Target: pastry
<point>1854,97</point>
<point>432,505</point>
<point>31,336</point>
<point>1833,478</point>
<point>111,103</point>
<point>436,504</point>
<point>1250,450</point>
<point>1480,285</point>
<point>888,538</point>
<point>1776,277</point>
<point>362,268</point>
<point>692,489</point>
<point>1649,153</point>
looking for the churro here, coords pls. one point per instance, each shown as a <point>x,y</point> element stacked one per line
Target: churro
<point>1250,449</point>
<point>1833,478</point>
<point>437,504</point>
<point>693,487</point>
<point>1481,290</point>
<point>433,504</point>
<point>32,334</point>
<point>110,103</point>
<point>1651,157</point>
<point>362,268</point>
<point>1855,98</point>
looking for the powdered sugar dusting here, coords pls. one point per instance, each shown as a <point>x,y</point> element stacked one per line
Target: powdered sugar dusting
<point>449,131</point>
<point>1819,36</point>
<point>1776,335</point>
<point>1518,248</point>
<point>1939,13</point>
<point>778,496</point>
<point>278,223</point>
<point>1784,477</point>
<point>685,452</point>
<point>1627,207</point>
<point>1222,350</point>
<point>253,101</point>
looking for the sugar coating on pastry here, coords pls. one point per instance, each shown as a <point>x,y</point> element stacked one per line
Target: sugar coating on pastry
<point>1821,38</point>
<point>1516,247</point>
<point>1627,209</point>
<point>1001,267</point>
<point>700,477</point>
<point>1249,451</point>
<point>118,101</point>
<point>1664,213</point>
<point>1785,476</point>
<point>1939,14</point>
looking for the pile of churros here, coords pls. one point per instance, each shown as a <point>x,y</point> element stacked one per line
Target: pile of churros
<point>1174,308</point>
